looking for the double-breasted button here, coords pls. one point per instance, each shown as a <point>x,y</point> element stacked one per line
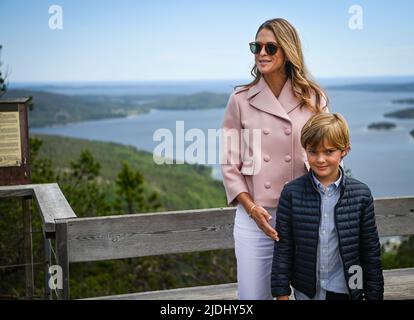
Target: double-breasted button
<point>267,185</point>
<point>288,158</point>
<point>266,158</point>
<point>288,131</point>
<point>266,130</point>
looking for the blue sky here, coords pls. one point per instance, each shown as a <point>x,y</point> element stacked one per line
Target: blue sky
<point>110,40</point>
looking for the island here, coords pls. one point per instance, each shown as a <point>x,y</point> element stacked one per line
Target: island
<point>381,126</point>
<point>407,113</point>
<point>407,101</point>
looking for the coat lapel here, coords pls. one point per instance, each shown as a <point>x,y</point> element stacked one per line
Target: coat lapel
<point>287,99</point>
<point>261,97</point>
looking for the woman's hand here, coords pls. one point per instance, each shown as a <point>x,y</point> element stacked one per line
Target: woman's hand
<point>258,214</point>
<point>262,218</point>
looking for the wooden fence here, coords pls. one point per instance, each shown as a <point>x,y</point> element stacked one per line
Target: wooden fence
<point>139,235</point>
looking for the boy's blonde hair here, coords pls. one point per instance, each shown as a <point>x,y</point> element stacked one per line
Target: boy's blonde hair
<point>326,128</point>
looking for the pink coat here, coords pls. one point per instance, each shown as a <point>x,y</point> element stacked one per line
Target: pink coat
<point>278,158</point>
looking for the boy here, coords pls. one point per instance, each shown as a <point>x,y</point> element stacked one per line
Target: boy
<point>329,247</point>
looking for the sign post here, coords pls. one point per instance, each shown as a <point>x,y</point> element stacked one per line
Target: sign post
<point>15,168</point>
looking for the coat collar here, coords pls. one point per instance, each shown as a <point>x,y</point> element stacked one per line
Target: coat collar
<point>261,97</point>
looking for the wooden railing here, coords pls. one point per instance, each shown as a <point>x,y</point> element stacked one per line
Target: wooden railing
<point>52,206</point>
<point>139,235</point>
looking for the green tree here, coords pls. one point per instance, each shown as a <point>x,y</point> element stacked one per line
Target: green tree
<point>131,192</point>
<point>405,253</point>
<point>3,86</point>
<point>41,168</point>
<point>81,186</point>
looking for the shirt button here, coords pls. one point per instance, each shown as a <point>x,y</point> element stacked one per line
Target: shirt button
<point>266,130</point>
<point>244,123</point>
<point>267,185</point>
<point>288,131</point>
<point>266,158</point>
<point>323,231</point>
<point>288,158</point>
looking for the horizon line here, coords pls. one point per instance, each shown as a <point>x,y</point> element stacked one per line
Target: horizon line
<point>197,80</point>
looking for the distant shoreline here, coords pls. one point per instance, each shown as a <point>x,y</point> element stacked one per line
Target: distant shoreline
<point>376,87</point>
<point>56,109</point>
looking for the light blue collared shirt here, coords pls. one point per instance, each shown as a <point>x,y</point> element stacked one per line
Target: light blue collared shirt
<point>330,273</point>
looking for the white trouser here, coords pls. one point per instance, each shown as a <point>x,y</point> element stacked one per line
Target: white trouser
<point>254,254</point>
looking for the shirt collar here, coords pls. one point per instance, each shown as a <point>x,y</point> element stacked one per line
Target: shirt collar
<point>322,187</point>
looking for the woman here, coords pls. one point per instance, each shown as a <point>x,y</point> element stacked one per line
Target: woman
<point>278,102</point>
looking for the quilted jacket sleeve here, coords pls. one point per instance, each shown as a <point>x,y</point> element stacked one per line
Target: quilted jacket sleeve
<point>284,248</point>
<point>370,257</point>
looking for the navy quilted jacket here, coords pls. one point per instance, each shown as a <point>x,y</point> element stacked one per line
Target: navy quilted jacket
<point>297,222</point>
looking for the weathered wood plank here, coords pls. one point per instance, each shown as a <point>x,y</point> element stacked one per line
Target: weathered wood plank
<point>14,100</point>
<point>25,190</point>
<point>395,216</point>
<point>49,198</point>
<point>226,291</point>
<point>52,204</point>
<point>399,285</point>
<point>114,237</point>
<point>138,235</point>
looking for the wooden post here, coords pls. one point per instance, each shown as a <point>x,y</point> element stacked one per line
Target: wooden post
<point>15,168</point>
<point>63,258</point>
<point>28,247</point>
<point>47,263</point>
<point>54,209</point>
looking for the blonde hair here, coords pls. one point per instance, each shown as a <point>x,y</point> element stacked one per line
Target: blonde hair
<point>326,128</point>
<point>303,87</point>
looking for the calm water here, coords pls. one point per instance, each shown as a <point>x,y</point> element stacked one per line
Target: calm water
<point>382,159</point>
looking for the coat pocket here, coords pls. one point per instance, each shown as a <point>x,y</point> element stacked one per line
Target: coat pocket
<point>247,168</point>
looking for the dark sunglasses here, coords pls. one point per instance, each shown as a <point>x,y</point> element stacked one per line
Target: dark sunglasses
<point>270,47</point>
